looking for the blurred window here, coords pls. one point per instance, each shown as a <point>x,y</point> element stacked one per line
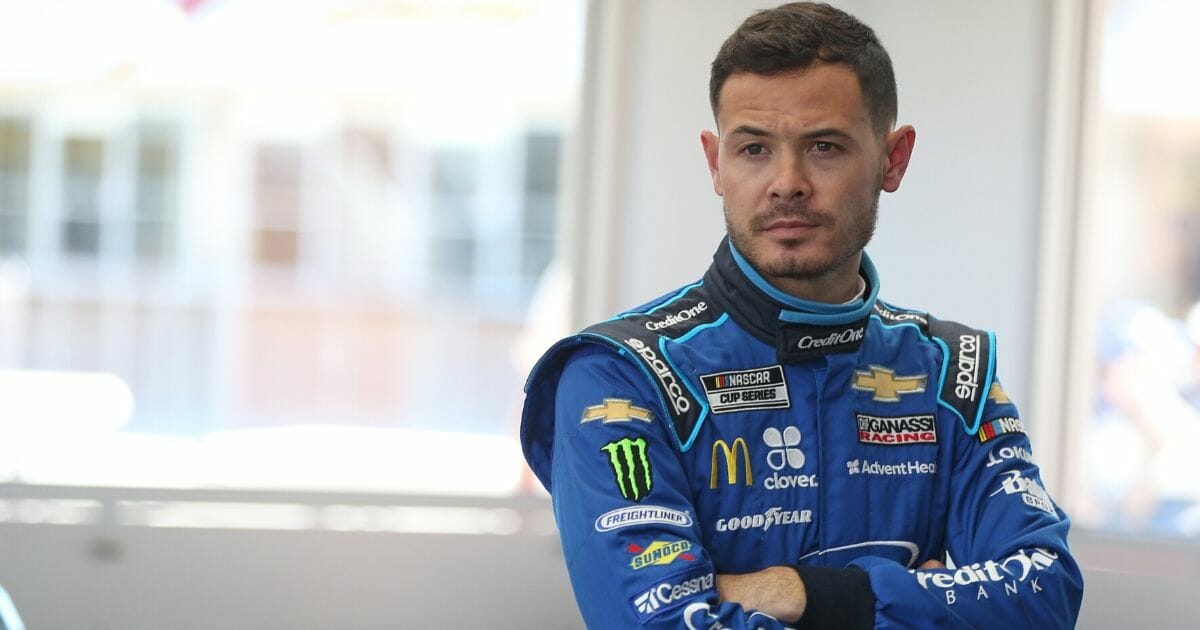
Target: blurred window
<point>277,246</point>
<point>1140,274</point>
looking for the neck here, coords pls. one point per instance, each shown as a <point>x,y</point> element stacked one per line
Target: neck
<point>838,286</point>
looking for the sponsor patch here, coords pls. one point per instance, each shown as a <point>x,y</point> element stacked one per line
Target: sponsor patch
<point>765,520</point>
<point>615,410</point>
<point>784,454</point>
<point>1032,493</point>
<point>671,592</point>
<point>642,515</point>
<point>1014,573</point>
<point>1007,453</point>
<point>742,390</point>
<point>885,386</point>
<point>631,466</point>
<point>896,430</point>
<point>1000,426</point>
<point>659,552</point>
<point>867,467</point>
<point>797,342</point>
<point>730,457</point>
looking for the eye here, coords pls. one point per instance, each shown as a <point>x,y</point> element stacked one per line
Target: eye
<point>754,149</point>
<point>824,147</point>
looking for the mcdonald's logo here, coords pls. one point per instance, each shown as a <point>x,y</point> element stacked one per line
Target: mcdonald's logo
<point>731,462</point>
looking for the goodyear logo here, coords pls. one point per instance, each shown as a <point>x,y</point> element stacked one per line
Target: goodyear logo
<point>631,466</point>
<point>660,552</point>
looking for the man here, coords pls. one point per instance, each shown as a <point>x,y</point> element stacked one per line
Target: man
<point>774,445</point>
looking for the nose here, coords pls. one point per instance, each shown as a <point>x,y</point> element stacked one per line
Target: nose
<point>790,179</point>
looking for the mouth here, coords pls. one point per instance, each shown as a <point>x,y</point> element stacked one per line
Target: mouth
<point>789,228</point>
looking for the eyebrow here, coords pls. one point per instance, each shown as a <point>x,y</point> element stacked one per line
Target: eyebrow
<point>823,132</point>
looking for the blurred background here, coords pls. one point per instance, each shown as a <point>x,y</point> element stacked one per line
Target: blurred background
<point>272,274</point>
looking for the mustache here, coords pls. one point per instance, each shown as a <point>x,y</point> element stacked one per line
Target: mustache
<point>791,210</point>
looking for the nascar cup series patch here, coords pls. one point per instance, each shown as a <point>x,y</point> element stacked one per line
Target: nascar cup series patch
<point>743,390</point>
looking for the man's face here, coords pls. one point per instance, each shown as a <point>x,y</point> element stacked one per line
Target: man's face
<point>800,168</point>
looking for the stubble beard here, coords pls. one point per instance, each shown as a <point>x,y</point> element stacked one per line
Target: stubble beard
<point>798,261</point>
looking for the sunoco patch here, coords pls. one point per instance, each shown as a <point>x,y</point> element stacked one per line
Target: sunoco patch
<point>743,390</point>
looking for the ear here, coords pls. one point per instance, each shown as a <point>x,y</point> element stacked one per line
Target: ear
<point>712,148</point>
<point>898,148</point>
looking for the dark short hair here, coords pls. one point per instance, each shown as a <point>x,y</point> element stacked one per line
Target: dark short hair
<point>794,36</point>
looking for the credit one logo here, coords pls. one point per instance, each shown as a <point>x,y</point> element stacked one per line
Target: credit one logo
<point>849,335</point>
<point>642,515</point>
<point>675,318</point>
<point>1017,567</point>
<point>731,462</point>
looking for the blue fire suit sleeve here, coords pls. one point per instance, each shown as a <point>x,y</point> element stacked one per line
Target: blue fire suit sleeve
<point>1006,543</point>
<point>622,503</point>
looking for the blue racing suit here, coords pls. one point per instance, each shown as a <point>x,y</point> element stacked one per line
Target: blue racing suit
<point>728,427</point>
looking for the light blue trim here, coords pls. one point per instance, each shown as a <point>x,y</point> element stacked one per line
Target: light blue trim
<point>681,293</point>
<point>987,382</point>
<point>971,428</point>
<point>807,311</point>
<point>942,383</point>
<point>701,400</point>
<point>691,333</point>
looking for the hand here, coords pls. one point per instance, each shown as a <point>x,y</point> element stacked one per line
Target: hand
<point>777,591</point>
<point>932,564</point>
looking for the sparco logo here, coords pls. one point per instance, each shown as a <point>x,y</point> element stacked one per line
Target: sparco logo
<point>967,380</point>
<point>675,318</point>
<point>832,339</point>
<point>664,374</point>
<point>642,515</point>
<point>773,516</point>
<point>667,593</point>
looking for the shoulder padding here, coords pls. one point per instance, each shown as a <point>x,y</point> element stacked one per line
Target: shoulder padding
<point>968,368</point>
<point>641,338</point>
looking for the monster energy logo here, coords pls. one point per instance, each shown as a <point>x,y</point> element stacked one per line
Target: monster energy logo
<point>627,456</point>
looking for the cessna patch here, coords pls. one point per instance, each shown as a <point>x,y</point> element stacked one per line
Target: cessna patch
<point>743,390</point>
<point>896,431</point>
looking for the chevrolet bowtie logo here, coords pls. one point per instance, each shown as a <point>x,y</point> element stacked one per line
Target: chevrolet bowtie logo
<point>886,386</point>
<point>996,393</point>
<point>615,410</point>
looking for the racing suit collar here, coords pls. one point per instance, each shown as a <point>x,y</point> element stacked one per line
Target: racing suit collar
<point>799,329</point>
